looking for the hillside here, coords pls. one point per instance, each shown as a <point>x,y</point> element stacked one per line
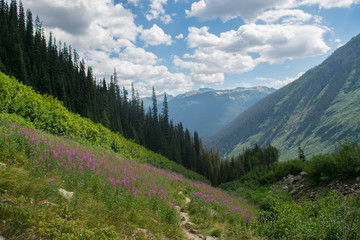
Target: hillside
<point>316,112</point>
<point>94,184</point>
<point>207,110</point>
<point>118,189</point>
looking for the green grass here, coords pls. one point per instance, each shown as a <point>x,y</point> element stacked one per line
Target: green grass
<point>113,195</point>
<point>23,105</point>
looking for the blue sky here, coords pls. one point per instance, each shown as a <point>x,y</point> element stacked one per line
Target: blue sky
<point>180,45</point>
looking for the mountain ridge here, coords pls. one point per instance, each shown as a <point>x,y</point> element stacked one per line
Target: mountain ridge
<point>207,110</point>
<point>302,114</point>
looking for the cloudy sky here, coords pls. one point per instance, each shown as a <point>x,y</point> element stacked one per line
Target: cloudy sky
<point>180,45</point>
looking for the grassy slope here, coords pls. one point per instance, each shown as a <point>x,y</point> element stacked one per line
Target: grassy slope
<point>49,114</point>
<point>114,196</point>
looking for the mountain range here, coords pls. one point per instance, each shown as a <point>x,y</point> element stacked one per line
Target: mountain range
<point>316,112</point>
<point>207,110</point>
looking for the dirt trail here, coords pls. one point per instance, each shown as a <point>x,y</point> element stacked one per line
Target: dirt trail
<point>189,228</point>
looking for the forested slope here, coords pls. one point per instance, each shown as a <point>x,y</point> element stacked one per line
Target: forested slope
<point>315,112</point>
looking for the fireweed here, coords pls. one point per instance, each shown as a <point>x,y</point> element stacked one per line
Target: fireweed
<point>118,174</point>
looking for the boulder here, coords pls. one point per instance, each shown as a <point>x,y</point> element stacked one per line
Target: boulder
<point>67,195</point>
<point>3,166</point>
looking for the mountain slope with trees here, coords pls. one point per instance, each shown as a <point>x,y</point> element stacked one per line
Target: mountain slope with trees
<point>208,110</point>
<point>313,113</point>
<point>54,68</point>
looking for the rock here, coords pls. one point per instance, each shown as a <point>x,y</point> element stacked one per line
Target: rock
<point>187,200</point>
<point>143,234</point>
<point>358,179</point>
<point>312,194</point>
<point>3,166</point>
<point>286,188</point>
<point>66,194</point>
<point>190,225</point>
<point>293,191</point>
<point>289,179</point>
<point>49,204</point>
<point>178,208</point>
<point>297,178</point>
<point>2,238</point>
<point>194,231</point>
<point>303,174</point>
<point>211,238</point>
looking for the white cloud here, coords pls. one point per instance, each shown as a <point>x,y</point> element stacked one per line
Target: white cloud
<point>98,22</point>
<point>213,78</point>
<point>180,36</point>
<point>228,9</point>
<point>145,75</point>
<point>285,16</point>
<point>138,56</point>
<point>157,11</point>
<point>330,3</point>
<point>155,36</point>
<point>135,2</point>
<point>250,10</point>
<point>234,52</point>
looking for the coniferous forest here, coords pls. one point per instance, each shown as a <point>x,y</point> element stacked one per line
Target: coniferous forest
<point>54,68</point>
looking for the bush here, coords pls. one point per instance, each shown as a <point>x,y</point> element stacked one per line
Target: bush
<point>333,217</point>
<point>345,163</point>
<point>293,167</point>
<point>348,160</point>
<point>322,168</point>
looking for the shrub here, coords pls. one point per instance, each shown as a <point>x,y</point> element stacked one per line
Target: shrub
<point>322,168</point>
<point>348,160</point>
<point>293,167</point>
<point>333,217</point>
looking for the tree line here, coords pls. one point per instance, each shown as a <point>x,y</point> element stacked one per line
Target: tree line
<point>54,68</point>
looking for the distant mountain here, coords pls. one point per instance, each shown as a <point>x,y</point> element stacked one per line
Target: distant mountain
<point>315,112</point>
<point>207,110</point>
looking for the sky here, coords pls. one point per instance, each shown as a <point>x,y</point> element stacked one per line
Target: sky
<point>181,45</point>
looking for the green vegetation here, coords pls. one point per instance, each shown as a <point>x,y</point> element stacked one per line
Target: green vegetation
<point>114,188</point>
<point>113,197</point>
<point>315,112</point>
<point>333,217</point>
<point>47,113</point>
<point>345,163</point>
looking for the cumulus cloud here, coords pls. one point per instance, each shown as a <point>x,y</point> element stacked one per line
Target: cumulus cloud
<point>144,74</point>
<point>228,9</point>
<point>285,16</point>
<point>250,10</point>
<point>240,51</point>
<point>180,36</point>
<point>155,36</point>
<point>330,3</point>
<point>157,11</point>
<point>135,2</point>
